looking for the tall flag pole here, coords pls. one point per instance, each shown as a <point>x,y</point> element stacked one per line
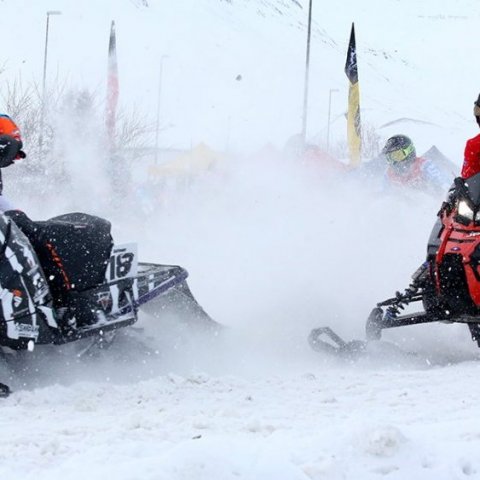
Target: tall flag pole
<point>353,116</point>
<point>112,88</point>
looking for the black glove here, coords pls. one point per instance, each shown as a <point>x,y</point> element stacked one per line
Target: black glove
<point>10,147</point>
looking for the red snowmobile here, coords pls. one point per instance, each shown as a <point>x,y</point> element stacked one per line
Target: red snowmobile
<point>447,284</point>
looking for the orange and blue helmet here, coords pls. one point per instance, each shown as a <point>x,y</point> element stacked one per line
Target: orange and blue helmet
<point>8,127</point>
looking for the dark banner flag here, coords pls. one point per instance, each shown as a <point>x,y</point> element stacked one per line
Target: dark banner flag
<point>353,116</point>
<point>112,88</point>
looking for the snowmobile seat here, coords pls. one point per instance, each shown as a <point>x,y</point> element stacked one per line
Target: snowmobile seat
<point>73,249</point>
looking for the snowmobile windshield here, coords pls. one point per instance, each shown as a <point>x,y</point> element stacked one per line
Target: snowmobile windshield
<point>467,193</point>
<point>473,188</point>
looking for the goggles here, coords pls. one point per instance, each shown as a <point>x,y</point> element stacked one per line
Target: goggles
<point>400,155</point>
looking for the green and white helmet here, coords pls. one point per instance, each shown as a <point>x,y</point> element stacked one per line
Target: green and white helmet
<point>399,149</point>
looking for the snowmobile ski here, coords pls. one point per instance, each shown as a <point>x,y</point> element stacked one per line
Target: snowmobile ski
<point>332,343</point>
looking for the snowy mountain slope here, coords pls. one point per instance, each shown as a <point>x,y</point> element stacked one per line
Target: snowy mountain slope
<point>272,249</point>
<point>414,61</point>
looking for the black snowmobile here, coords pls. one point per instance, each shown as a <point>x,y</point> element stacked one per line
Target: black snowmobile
<point>447,284</point>
<point>63,279</point>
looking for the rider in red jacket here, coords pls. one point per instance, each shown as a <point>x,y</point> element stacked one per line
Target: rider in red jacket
<point>471,163</point>
<point>405,169</point>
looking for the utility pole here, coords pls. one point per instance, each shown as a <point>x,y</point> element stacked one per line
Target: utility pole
<point>329,111</point>
<point>157,123</point>
<point>307,68</point>
<point>44,80</point>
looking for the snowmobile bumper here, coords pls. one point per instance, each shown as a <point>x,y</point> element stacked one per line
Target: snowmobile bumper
<point>154,280</point>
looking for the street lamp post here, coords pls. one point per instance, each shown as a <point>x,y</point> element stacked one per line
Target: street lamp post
<point>159,99</point>
<point>42,114</point>
<point>307,68</point>
<point>329,111</point>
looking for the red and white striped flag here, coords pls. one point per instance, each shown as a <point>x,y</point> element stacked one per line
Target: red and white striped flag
<point>112,87</point>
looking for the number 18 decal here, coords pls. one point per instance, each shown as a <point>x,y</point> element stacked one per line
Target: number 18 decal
<point>122,263</point>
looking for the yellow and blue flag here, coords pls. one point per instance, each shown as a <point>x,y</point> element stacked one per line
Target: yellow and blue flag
<point>353,116</point>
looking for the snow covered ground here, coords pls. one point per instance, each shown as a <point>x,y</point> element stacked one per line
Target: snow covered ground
<point>326,422</point>
<point>273,250</point>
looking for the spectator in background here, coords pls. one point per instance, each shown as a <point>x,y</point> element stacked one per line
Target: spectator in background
<point>312,155</point>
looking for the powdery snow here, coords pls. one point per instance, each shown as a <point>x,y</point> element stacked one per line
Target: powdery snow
<point>324,423</point>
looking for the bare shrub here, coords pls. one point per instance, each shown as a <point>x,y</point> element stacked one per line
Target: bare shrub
<point>74,127</point>
<point>370,144</point>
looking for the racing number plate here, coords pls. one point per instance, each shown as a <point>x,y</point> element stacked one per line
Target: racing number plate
<point>123,262</point>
